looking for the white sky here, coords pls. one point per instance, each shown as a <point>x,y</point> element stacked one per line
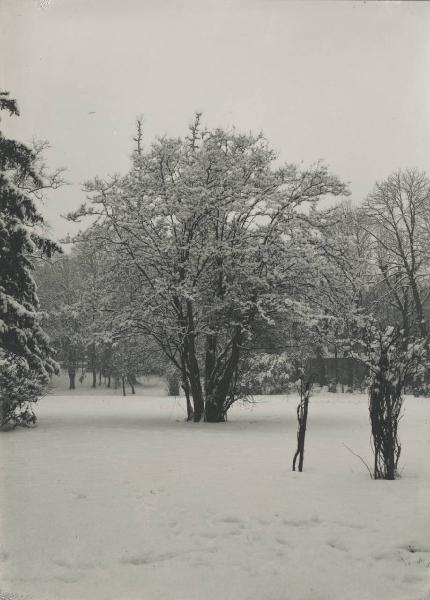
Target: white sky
<point>347,82</point>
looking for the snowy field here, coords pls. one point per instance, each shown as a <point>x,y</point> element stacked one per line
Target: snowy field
<point>119,498</point>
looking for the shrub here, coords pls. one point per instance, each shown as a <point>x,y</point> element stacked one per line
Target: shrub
<point>20,388</point>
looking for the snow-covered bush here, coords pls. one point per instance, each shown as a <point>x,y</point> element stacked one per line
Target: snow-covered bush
<point>393,361</point>
<point>20,388</point>
<point>267,374</point>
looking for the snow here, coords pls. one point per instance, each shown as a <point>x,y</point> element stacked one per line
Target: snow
<point>119,498</point>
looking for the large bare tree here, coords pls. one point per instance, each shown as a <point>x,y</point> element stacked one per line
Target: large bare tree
<point>396,215</point>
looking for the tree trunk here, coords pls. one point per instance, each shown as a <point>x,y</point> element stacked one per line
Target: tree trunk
<point>210,359</point>
<point>350,374</point>
<point>186,387</point>
<point>108,383</point>
<point>72,377</point>
<point>385,404</point>
<point>336,367</point>
<point>222,385</point>
<point>123,386</point>
<point>93,365</point>
<point>321,368</point>
<point>419,308</point>
<point>131,383</point>
<point>173,383</point>
<point>302,417</point>
<point>193,366</point>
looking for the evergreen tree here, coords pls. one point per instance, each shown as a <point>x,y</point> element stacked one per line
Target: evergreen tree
<point>22,339</point>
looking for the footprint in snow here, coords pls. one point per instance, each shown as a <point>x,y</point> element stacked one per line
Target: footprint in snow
<point>349,525</point>
<point>67,578</point>
<point>234,532</point>
<point>136,560</point>
<point>230,519</point>
<point>210,535</point>
<point>314,520</point>
<point>283,541</point>
<point>78,495</point>
<point>65,564</point>
<point>337,545</point>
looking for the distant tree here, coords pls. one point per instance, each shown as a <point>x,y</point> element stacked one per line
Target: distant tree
<point>60,284</point>
<point>128,359</point>
<point>24,346</point>
<point>396,217</point>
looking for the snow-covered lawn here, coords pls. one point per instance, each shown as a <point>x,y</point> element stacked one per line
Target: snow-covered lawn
<point>118,498</point>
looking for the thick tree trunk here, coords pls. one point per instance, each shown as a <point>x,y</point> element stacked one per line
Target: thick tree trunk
<point>196,386</point>
<point>123,386</point>
<point>193,366</point>
<point>190,410</point>
<point>210,360</point>
<point>186,387</point>
<point>108,383</point>
<point>131,383</point>
<point>419,308</point>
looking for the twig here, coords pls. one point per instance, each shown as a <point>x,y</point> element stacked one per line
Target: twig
<point>361,458</point>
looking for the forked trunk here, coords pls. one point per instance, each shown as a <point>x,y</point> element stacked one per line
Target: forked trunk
<point>221,384</point>
<point>302,418</point>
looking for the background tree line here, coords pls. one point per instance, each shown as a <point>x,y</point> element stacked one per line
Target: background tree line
<point>213,263</point>
<point>210,255</point>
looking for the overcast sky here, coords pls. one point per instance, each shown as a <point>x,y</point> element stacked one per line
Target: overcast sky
<point>348,82</point>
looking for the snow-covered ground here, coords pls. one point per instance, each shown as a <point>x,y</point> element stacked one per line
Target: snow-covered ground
<point>119,498</point>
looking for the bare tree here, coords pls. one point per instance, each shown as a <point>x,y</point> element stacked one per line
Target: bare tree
<point>302,418</point>
<point>396,215</point>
